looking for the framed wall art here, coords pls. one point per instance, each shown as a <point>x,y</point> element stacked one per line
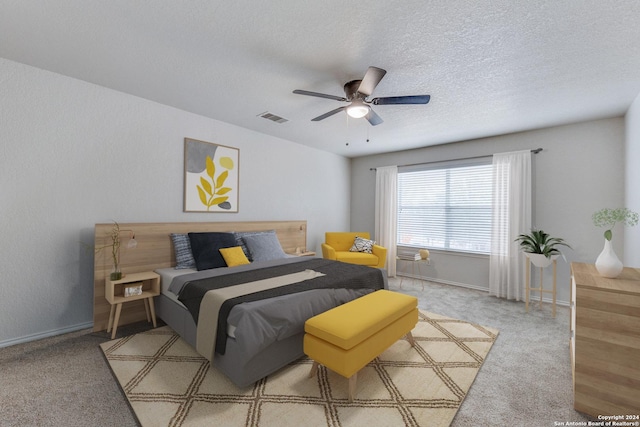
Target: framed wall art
<point>211,173</point>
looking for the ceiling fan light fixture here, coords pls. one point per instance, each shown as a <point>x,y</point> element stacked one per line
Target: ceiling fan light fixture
<point>357,109</point>
<point>356,94</point>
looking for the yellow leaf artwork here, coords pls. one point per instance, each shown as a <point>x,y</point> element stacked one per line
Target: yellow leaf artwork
<point>211,193</point>
<point>211,177</point>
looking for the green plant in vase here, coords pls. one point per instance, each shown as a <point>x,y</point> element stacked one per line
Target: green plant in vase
<point>610,217</point>
<point>116,274</point>
<point>607,263</point>
<point>115,252</point>
<point>540,245</point>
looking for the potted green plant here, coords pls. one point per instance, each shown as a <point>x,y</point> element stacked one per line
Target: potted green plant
<point>607,263</point>
<point>540,247</point>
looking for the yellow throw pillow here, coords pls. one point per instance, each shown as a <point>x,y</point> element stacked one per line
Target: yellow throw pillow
<point>234,256</point>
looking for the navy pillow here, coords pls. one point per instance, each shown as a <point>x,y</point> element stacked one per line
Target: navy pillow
<point>205,248</point>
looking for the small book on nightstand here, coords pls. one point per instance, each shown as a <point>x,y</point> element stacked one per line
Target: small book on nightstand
<point>132,289</point>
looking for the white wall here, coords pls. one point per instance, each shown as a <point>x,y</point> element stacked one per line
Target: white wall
<point>75,154</point>
<point>632,183</point>
<point>579,171</point>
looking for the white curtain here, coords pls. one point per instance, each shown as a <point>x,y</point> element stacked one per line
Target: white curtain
<point>386,213</point>
<point>511,217</point>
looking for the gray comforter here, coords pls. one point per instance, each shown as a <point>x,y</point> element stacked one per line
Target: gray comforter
<point>261,323</point>
<point>258,324</point>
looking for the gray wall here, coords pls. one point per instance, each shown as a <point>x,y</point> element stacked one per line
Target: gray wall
<point>580,170</point>
<point>75,154</point>
<point>632,183</point>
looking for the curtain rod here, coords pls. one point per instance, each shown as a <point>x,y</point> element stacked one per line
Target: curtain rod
<point>534,151</point>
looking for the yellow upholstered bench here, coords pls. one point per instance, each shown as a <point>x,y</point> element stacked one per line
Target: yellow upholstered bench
<point>346,338</point>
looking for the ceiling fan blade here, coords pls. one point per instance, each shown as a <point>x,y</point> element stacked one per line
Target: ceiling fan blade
<point>329,114</point>
<point>370,80</point>
<point>373,118</point>
<point>389,100</point>
<point>319,95</point>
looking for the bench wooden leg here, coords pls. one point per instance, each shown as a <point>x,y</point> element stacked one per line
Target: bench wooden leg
<point>352,386</point>
<point>410,338</point>
<point>314,369</point>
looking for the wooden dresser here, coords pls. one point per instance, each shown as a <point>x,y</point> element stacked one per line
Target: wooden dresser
<point>605,341</point>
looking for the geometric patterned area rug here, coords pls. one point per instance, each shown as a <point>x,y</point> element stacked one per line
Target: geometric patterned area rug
<point>168,383</point>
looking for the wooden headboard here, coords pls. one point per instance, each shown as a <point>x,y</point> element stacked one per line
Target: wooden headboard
<point>155,250</point>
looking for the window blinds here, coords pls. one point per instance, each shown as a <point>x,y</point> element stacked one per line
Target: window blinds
<point>446,206</point>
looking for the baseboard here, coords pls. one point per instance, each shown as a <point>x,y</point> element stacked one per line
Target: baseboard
<point>445,282</point>
<point>536,300</point>
<point>46,334</point>
<point>532,300</point>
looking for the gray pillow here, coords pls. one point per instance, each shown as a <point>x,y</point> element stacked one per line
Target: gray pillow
<point>239,242</point>
<point>264,247</point>
<point>182,249</point>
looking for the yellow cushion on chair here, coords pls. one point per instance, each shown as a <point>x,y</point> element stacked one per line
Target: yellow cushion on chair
<point>359,258</point>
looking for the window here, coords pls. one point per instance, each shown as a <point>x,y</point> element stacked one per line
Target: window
<point>446,206</point>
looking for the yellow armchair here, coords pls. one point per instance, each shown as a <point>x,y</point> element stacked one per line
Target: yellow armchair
<point>337,245</point>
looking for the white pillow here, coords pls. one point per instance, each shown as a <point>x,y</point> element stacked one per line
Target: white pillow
<point>362,245</point>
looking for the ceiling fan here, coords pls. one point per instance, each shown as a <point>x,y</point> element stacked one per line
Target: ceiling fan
<point>357,92</point>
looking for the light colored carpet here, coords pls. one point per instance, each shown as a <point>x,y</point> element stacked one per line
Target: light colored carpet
<point>168,384</point>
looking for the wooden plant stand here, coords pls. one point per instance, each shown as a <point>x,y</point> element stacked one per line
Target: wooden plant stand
<point>541,288</point>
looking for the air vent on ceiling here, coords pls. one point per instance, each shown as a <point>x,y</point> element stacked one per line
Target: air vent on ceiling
<point>267,115</point>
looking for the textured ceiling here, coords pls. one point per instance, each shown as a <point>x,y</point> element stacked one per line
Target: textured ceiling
<point>491,67</point>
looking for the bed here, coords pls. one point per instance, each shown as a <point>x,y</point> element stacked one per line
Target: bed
<point>250,351</point>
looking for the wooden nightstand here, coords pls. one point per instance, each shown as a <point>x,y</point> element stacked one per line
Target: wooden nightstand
<point>115,291</point>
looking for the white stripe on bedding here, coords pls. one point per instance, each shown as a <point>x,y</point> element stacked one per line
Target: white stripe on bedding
<point>167,275</point>
<point>213,300</point>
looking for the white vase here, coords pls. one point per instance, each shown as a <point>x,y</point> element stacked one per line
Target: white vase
<point>607,263</point>
<point>540,260</point>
